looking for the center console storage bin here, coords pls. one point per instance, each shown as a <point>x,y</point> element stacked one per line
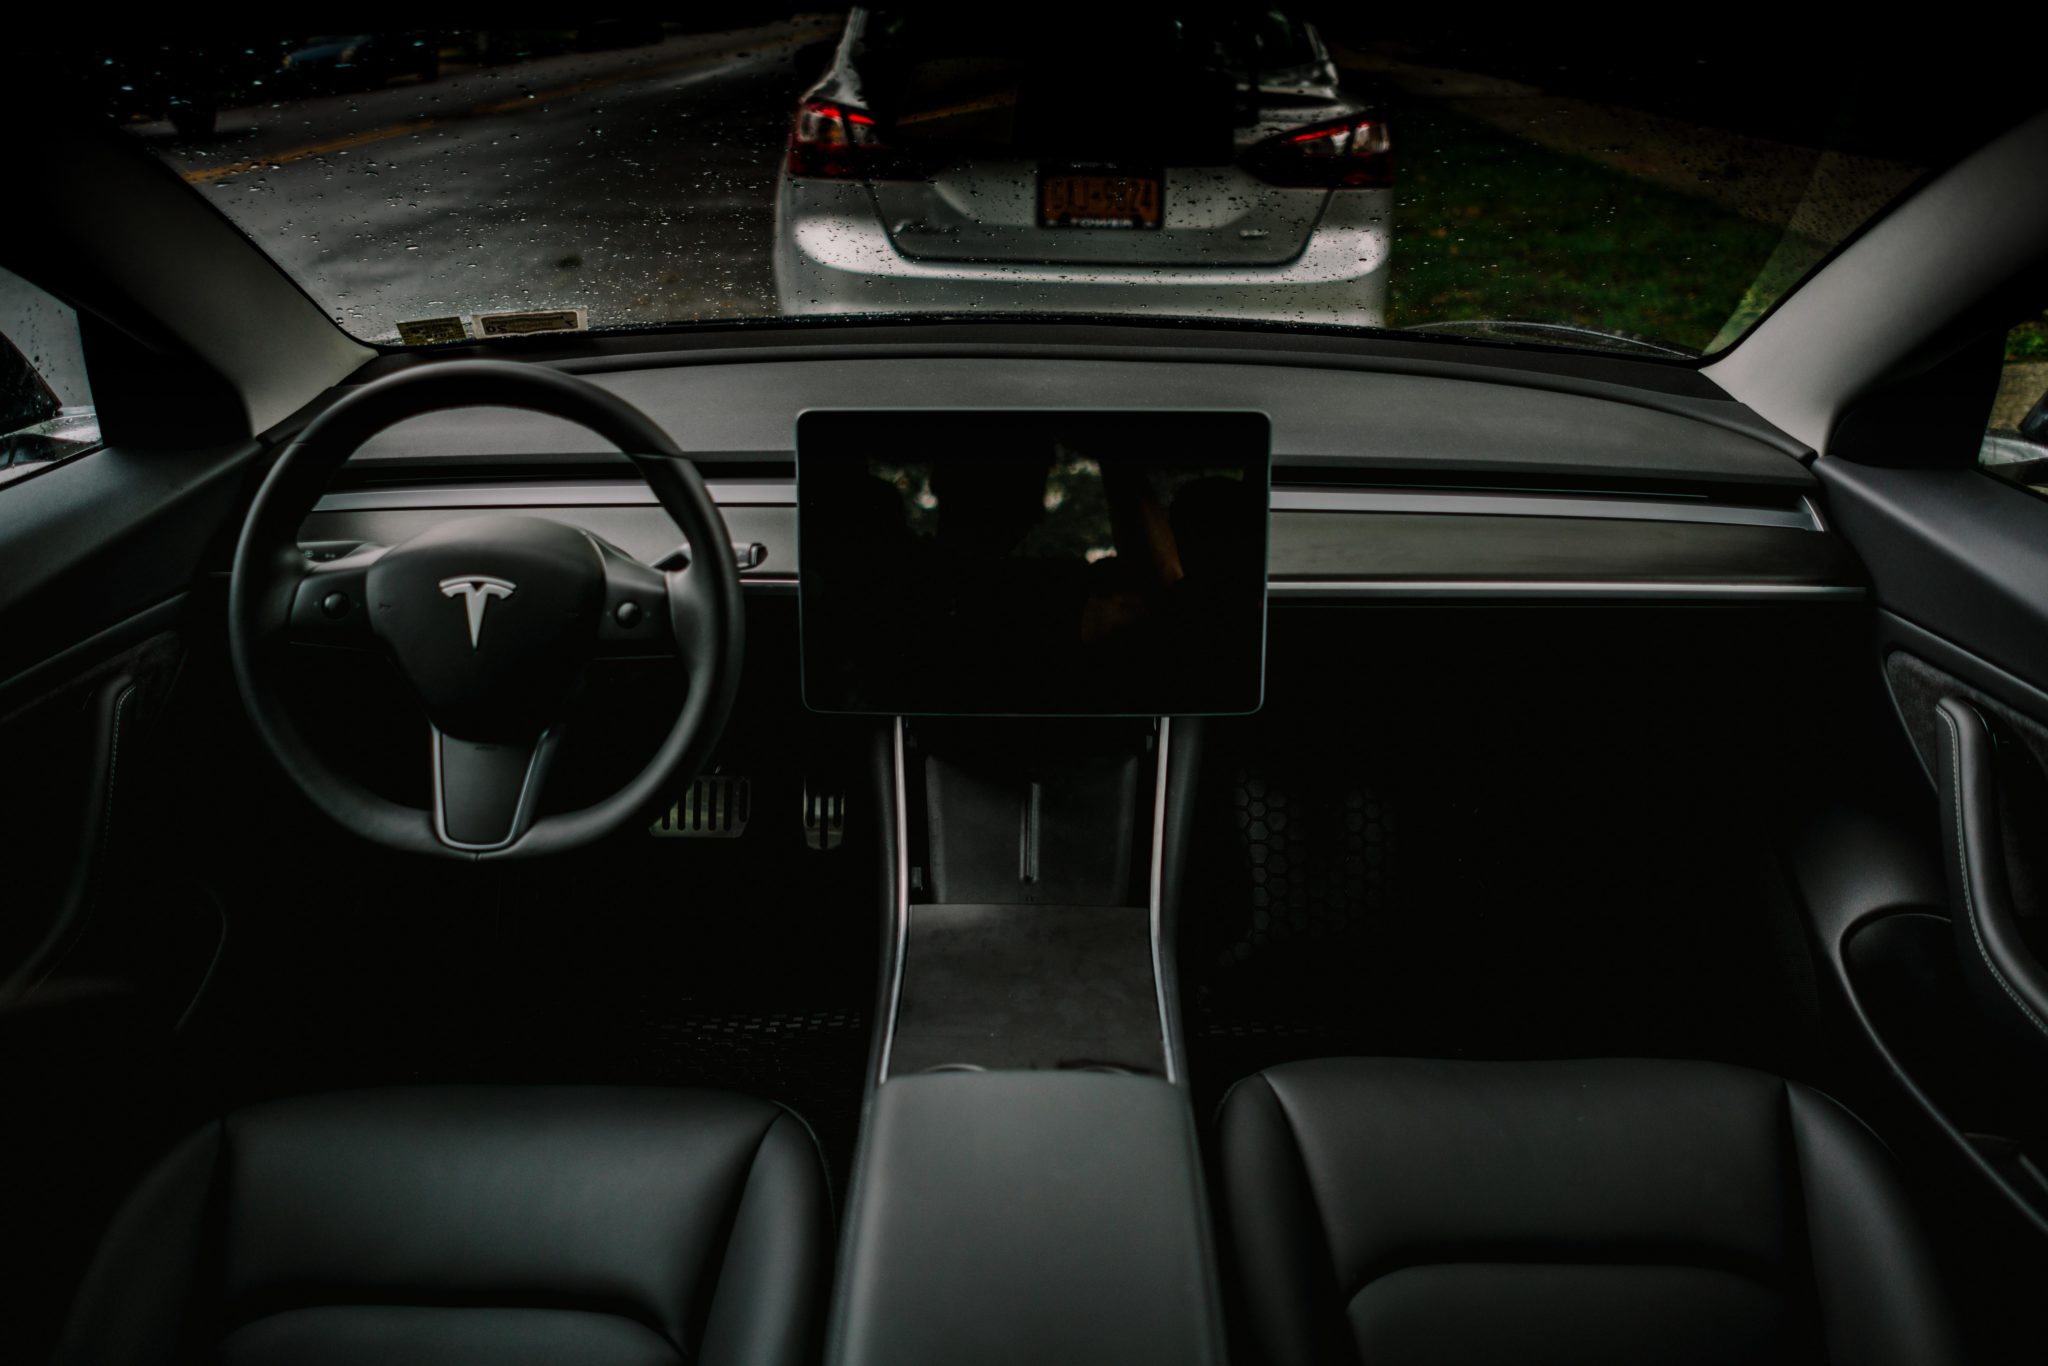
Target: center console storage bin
<point>1027,1217</point>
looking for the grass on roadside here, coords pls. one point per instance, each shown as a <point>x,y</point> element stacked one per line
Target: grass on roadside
<point>1489,226</point>
<point>2028,341</point>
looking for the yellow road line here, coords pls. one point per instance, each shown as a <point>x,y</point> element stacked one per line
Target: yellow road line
<point>317,149</point>
<point>207,175</point>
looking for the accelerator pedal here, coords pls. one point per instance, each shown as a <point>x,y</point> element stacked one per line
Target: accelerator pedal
<point>824,818</point>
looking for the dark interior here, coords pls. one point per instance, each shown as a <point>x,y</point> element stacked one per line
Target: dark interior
<point>496,872</point>
<point>1569,839</point>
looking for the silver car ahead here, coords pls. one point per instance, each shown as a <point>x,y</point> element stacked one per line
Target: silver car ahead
<point>1182,166</point>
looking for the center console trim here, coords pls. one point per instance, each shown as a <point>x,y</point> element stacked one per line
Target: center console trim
<point>902,890</point>
<point>1164,735</point>
<point>1156,880</point>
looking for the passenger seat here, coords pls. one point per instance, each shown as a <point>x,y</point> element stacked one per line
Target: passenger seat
<point>1400,1212</point>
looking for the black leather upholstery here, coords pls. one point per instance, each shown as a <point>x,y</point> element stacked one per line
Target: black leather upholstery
<point>1397,1211</point>
<point>500,1224</point>
<point>1049,1218</point>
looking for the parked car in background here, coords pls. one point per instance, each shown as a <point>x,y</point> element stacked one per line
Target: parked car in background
<point>360,61</point>
<point>37,428</point>
<point>186,79</point>
<point>2020,453</point>
<point>1163,164</point>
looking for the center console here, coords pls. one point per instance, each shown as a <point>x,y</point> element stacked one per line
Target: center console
<point>1027,1216</point>
<point>1027,931</point>
<point>1043,603</point>
<point>1028,1187</point>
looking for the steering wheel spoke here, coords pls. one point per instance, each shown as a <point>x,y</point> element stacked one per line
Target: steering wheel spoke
<point>697,613</point>
<point>487,792</point>
<point>637,621</point>
<point>330,603</point>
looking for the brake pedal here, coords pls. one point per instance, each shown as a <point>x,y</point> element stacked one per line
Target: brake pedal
<point>824,818</point>
<point>717,806</point>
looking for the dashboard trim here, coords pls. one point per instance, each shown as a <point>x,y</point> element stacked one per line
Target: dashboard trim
<point>1431,590</point>
<point>1428,590</point>
<point>581,493</point>
<point>1285,498</point>
<point>1595,590</point>
<point>1515,504</point>
<point>1413,544</point>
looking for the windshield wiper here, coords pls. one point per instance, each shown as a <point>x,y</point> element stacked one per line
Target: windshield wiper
<point>1522,329</point>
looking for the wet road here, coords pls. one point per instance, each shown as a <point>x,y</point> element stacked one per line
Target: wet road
<point>638,185</point>
<point>644,194</point>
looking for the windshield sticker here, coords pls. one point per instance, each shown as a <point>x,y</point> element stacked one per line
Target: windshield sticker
<point>428,331</point>
<point>536,320</point>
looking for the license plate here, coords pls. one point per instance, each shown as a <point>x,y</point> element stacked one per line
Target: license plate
<point>1098,199</point>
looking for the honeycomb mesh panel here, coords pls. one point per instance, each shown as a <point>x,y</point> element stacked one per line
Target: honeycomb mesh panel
<point>1316,860</point>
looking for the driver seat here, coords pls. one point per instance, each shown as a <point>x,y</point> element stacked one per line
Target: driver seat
<point>469,1223</point>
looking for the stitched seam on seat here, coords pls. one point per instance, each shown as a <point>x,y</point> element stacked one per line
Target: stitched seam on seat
<point>279,1313</point>
<point>1315,1204</point>
<point>732,1225</point>
<point>1334,1324</point>
<point>539,1303</point>
<point>1817,1315</point>
<point>1351,1300</point>
<point>1963,868</point>
<point>1513,1256</point>
<point>213,1240</point>
<point>311,1306</point>
<point>818,1151</point>
<point>1590,1263</point>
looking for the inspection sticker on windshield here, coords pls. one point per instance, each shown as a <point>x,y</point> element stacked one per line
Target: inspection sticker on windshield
<point>427,331</point>
<point>537,320</point>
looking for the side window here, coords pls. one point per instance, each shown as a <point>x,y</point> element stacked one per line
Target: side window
<point>46,412</point>
<point>2016,445</point>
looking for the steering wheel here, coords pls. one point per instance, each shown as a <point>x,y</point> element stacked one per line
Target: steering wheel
<point>491,618</point>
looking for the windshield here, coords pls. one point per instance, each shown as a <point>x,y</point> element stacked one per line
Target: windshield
<point>1317,168</point>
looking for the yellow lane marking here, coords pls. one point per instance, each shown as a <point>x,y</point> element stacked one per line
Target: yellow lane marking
<point>317,149</point>
<point>209,174</point>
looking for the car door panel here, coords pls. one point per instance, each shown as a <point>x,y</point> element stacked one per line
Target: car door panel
<point>1943,979</point>
<point>102,539</point>
<point>1956,553</point>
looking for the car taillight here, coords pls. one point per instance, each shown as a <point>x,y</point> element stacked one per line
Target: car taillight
<point>832,141</point>
<point>1349,154</point>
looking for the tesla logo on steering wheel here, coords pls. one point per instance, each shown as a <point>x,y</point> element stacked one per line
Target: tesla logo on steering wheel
<point>476,590</point>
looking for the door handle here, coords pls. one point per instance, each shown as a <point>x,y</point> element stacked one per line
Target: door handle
<point>1994,813</point>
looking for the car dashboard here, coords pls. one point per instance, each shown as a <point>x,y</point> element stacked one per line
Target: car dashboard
<point>1416,484</point>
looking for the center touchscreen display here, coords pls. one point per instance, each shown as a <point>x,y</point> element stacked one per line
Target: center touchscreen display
<point>1033,563</point>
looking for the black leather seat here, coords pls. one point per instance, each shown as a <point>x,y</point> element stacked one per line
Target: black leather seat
<point>500,1224</point>
<point>1398,1212</point>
